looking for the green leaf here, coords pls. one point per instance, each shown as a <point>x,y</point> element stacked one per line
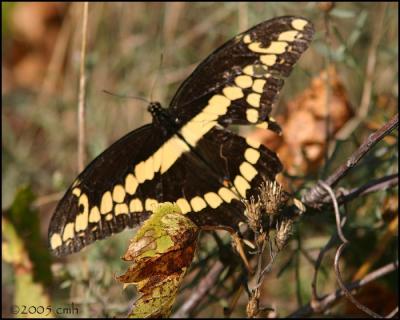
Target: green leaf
<point>27,292</point>
<point>26,222</point>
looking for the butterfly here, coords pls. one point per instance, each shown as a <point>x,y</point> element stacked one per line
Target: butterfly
<point>188,155</point>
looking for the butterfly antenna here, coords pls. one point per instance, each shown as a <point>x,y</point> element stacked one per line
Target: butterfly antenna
<point>155,80</point>
<point>122,96</point>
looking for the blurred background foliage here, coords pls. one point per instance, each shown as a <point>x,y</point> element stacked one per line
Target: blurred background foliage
<point>353,58</point>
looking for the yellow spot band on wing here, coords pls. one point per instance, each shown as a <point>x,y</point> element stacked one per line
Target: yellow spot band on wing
<point>268,59</point>
<point>131,184</point>
<point>121,208</point>
<point>106,204</point>
<point>247,171</point>
<point>184,205</point>
<point>233,93</point>
<point>213,200</point>
<point>252,115</point>
<point>247,38</point>
<point>288,36</point>
<point>258,85</point>
<point>275,47</point>
<point>76,192</point>
<point>254,99</point>
<point>135,205</point>
<point>198,204</point>
<point>226,194</point>
<point>151,204</point>
<point>118,193</point>
<point>241,185</point>
<point>251,155</point>
<point>94,215</point>
<point>244,81</point>
<point>55,241</point>
<point>299,24</point>
<point>252,143</point>
<point>68,231</point>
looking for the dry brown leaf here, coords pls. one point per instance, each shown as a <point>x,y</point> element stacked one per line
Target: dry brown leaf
<point>302,145</point>
<point>35,27</point>
<point>375,296</point>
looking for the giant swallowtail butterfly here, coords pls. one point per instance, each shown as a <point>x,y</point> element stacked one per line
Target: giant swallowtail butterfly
<point>187,155</point>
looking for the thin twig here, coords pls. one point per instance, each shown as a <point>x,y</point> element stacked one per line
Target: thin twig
<point>243,15</point>
<point>380,184</point>
<point>345,290</point>
<point>363,108</point>
<point>371,62</point>
<point>327,84</point>
<point>314,293</point>
<point>46,199</point>
<point>314,196</point>
<point>336,210</point>
<point>393,313</point>
<point>268,267</point>
<point>205,26</point>
<point>82,92</point>
<point>200,291</point>
<point>339,251</point>
<point>57,59</point>
<point>383,183</point>
<point>328,300</point>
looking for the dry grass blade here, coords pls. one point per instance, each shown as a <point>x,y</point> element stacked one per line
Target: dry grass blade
<point>82,92</point>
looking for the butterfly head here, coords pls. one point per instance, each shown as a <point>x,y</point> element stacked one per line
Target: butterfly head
<point>155,109</point>
<point>161,117</point>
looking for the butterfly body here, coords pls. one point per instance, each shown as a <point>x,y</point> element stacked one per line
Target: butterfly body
<point>188,155</point>
<point>163,119</point>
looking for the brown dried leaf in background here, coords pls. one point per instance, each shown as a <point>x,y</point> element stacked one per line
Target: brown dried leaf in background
<point>35,27</point>
<point>302,145</point>
<point>375,296</point>
<point>390,207</point>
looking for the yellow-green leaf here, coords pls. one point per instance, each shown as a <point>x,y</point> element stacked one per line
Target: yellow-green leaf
<point>161,252</point>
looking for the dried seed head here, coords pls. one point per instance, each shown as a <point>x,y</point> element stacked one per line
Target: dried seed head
<point>272,197</point>
<point>284,231</point>
<point>253,307</point>
<point>253,214</point>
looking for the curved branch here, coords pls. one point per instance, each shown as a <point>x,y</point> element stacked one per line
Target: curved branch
<point>345,290</point>
<point>202,289</point>
<point>336,209</point>
<point>315,195</point>
<point>328,300</point>
<point>375,185</point>
<point>314,293</point>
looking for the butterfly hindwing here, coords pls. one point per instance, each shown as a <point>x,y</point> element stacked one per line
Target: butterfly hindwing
<point>209,182</point>
<point>243,165</point>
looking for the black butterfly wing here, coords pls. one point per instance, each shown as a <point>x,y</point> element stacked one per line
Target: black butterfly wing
<point>209,182</point>
<point>239,82</point>
<point>125,183</point>
<point>106,197</point>
<point>243,164</point>
<point>205,170</point>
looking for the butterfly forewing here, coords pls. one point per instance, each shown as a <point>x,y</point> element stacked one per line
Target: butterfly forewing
<point>98,203</point>
<point>241,80</point>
